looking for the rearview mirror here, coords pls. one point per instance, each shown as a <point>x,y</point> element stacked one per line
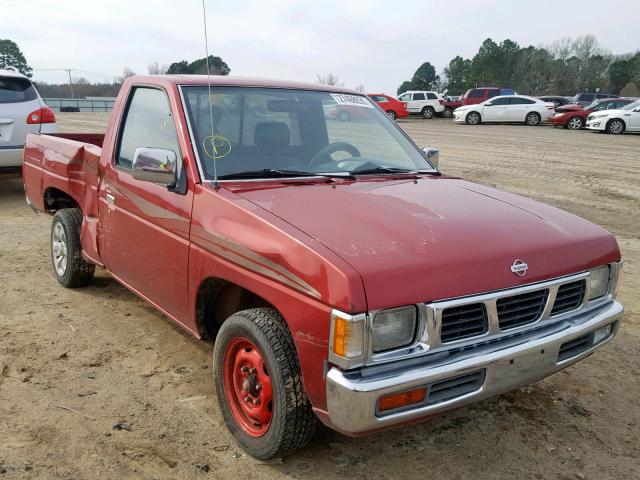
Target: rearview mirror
<point>432,154</point>
<point>155,165</point>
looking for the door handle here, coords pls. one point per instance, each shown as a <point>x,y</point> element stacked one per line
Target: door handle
<point>110,199</point>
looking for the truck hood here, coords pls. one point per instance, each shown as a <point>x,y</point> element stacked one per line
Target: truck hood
<point>436,237</point>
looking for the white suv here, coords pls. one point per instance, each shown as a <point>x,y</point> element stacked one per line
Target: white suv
<point>22,111</point>
<point>421,102</point>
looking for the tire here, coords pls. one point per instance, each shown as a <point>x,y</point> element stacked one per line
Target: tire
<point>448,113</point>
<point>532,119</point>
<point>575,123</point>
<point>391,114</point>
<point>344,116</point>
<point>473,118</point>
<point>428,112</point>
<point>259,384</point>
<point>70,269</point>
<point>615,126</point>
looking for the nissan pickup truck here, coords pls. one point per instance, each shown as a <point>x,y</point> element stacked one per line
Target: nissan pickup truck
<point>339,274</point>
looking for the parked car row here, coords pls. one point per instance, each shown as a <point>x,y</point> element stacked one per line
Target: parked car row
<point>493,104</point>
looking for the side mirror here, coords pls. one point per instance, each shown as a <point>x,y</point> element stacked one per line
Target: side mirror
<point>488,104</point>
<point>155,165</point>
<point>637,109</point>
<point>432,154</point>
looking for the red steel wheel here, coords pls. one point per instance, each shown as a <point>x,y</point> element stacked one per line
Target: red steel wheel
<point>248,387</point>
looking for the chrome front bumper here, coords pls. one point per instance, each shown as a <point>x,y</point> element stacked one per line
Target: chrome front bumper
<point>352,397</point>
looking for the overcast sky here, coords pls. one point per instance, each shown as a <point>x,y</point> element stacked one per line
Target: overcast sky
<point>370,42</point>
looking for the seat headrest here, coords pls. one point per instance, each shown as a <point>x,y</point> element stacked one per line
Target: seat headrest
<point>272,135</point>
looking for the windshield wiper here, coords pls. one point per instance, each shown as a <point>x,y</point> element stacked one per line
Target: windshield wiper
<point>375,170</point>
<point>279,173</point>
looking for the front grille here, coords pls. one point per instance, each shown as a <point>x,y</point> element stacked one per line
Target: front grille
<point>575,347</point>
<point>569,297</point>
<point>463,322</point>
<point>451,388</point>
<point>521,309</point>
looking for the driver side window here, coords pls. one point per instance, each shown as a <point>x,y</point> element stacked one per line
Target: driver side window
<point>148,122</point>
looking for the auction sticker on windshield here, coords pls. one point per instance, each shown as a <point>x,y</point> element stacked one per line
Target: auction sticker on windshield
<point>353,100</point>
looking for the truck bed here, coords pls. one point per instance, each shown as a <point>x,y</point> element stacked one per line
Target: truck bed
<point>63,167</point>
<point>66,161</point>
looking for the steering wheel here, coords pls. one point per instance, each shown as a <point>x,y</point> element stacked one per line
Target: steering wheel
<point>325,153</point>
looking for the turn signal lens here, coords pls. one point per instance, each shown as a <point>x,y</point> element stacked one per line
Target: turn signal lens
<point>404,399</point>
<point>348,335</point>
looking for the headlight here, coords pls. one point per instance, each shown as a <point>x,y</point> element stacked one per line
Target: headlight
<point>393,328</point>
<point>593,117</point>
<point>598,282</point>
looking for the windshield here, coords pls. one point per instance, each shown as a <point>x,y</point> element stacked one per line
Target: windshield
<point>631,106</point>
<point>266,129</point>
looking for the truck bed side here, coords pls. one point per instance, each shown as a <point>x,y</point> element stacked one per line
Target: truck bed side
<point>62,171</point>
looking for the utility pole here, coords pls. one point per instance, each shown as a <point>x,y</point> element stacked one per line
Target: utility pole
<point>68,70</point>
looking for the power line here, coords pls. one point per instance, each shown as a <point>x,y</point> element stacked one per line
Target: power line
<point>77,70</point>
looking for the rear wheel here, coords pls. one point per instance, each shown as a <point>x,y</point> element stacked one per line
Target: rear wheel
<point>70,269</point>
<point>473,118</point>
<point>391,114</point>
<point>575,123</point>
<point>532,119</point>
<point>615,126</point>
<point>259,384</point>
<point>428,112</point>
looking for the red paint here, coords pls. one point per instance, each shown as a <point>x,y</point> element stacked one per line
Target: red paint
<point>303,246</point>
<point>391,105</point>
<point>247,386</point>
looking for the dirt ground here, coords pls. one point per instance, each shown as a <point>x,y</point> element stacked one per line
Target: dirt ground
<point>74,363</point>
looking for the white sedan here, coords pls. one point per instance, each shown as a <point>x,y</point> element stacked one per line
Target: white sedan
<point>625,119</point>
<point>505,108</point>
<point>22,111</point>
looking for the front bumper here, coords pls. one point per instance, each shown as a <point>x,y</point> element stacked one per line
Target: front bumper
<point>596,124</point>
<point>352,397</point>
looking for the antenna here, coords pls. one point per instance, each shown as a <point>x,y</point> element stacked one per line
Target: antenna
<point>206,49</point>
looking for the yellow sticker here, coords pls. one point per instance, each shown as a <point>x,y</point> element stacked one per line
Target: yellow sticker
<point>216,146</point>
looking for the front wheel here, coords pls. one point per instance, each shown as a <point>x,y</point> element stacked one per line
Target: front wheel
<point>615,126</point>
<point>448,113</point>
<point>575,123</point>
<point>473,118</point>
<point>259,384</point>
<point>532,119</point>
<point>428,112</point>
<point>70,269</point>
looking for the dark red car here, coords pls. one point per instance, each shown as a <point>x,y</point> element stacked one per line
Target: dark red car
<point>575,116</point>
<point>394,107</point>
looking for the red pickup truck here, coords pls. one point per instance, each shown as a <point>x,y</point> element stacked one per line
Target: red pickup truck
<point>339,274</point>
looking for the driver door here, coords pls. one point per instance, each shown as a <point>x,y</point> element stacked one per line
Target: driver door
<point>144,239</point>
<point>496,110</point>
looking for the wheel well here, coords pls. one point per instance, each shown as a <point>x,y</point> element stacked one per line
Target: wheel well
<point>217,300</point>
<point>55,199</point>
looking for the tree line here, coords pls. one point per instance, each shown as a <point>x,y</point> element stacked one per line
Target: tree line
<point>565,67</point>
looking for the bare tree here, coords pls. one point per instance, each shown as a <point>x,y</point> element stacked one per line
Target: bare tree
<point>360,88</point>
<point>330,79</point>
<point>156,69</point>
